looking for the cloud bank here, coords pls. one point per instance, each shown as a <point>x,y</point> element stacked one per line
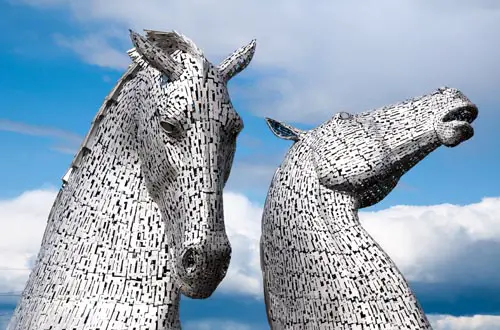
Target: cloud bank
<point>445,243</point>
<point>319,57</point>
<point>476,322</point>
<point>439,322</point>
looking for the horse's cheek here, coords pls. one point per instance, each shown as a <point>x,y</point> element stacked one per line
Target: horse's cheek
<point>326,171</point>
<point>160,163</point>
<point>376,159</point>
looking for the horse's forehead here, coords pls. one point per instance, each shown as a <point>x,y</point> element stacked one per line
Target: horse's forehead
<point>203,102</point>
<point>225,118</point>
<point>191,61</point>
<point>203,91</point>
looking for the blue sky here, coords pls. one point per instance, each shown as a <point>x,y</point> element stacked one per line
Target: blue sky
<point>59,58</point>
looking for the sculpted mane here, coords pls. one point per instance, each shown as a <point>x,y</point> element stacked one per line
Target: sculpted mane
<point>109,100</point>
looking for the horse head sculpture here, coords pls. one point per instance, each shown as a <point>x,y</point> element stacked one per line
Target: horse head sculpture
<point>186,132</point>
<point>139,218</point>
<point>320,267</point>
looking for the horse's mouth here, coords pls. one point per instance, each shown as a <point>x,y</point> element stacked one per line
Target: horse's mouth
<point>466,114</point>
<point>197,292</point>
<point>200,285</point>
<point>455,127</point>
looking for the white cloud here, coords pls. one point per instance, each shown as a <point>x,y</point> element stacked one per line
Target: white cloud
<point>316,57</point>
<point>439,322</point>
<point>476,322</point>
<point>242,219</point>
<point>95,49</point>
<point>23,221</point>
<point>439,244</point>
<point>436,243</point>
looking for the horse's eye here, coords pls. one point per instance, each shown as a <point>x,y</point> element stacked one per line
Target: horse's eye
<point>345,115</point>
<point>168,127</point>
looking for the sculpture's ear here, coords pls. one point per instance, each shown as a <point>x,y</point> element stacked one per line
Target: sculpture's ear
<point>156,57</point>
<point>237,61</point>
<point>283,131</point>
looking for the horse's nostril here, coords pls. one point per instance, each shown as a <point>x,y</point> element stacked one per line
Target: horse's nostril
<point>189,259</point>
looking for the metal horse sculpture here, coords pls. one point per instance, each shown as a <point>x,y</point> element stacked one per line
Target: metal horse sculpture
<point>321,269</point>
<point>139,219</point>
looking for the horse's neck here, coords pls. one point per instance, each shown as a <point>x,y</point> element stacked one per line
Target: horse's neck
<point>104,250</point>
<point>334,272</point>
<point>304,204</point>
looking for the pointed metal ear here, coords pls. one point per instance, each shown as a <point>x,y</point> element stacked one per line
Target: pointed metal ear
<point>284,131</point>
<point>156,57</point>
<point>237,61</point>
